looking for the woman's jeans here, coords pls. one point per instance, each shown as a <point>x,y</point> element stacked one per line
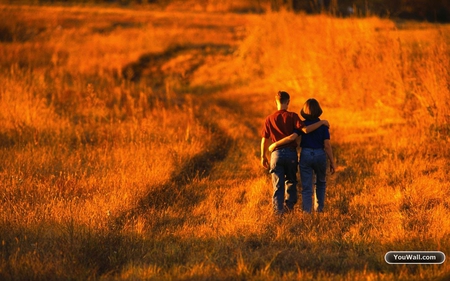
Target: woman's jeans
<point>283,166</point>
<point>313,161</point>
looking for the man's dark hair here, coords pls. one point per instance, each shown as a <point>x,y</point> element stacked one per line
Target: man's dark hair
<point>283,97</point>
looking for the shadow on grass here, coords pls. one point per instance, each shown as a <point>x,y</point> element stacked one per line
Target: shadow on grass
<point>75,253</point>
<point>62,251</point>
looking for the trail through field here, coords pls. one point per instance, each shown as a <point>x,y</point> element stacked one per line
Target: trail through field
<point>178,192</point>
<point>227,171</point>
<point>219,200</point>
<point>222,195</point>
<point>230,147</point>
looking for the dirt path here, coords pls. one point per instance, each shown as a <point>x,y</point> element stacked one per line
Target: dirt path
<point>220,113</point>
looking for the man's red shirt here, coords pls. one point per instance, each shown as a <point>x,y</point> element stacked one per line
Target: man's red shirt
<point>280,125</point>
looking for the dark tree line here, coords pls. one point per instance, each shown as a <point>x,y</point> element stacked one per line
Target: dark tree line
<point>429,10</point>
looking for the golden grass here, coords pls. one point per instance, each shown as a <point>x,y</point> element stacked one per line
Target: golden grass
<point>106,178</point>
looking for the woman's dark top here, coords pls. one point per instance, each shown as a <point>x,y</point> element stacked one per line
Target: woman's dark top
<point>316,138</point>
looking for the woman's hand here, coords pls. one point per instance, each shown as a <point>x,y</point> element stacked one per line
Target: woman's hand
<point>332,168</point>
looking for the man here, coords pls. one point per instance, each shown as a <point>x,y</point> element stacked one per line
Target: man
<point>284,159</point>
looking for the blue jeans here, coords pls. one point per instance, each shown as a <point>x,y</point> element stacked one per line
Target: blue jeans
<point>313,161</point>
<point>283,166</point>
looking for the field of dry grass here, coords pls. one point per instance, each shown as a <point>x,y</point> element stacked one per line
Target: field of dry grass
<point>129,145</point>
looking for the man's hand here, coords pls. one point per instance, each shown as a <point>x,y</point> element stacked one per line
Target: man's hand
<point>272,147</point>
<point>264,145</point>
<point>265,162</point>
<point>326,123</point>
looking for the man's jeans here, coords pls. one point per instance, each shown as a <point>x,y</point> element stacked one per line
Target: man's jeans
<point>313,161</point>
<point>283,166</point>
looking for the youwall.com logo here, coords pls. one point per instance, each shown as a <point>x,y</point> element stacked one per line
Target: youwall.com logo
<point>414,257</point>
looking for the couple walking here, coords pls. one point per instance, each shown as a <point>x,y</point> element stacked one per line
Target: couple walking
<point>284,128</point>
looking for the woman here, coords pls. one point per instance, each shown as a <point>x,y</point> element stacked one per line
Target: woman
<point>313,156</point>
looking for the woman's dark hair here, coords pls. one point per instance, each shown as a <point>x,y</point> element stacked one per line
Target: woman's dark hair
<point>311,110</point>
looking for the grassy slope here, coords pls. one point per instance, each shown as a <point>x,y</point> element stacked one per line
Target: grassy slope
<point>160,178</point>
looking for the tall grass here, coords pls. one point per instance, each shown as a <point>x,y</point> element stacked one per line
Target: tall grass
<point>107,178</point>
<point>362,63</point>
